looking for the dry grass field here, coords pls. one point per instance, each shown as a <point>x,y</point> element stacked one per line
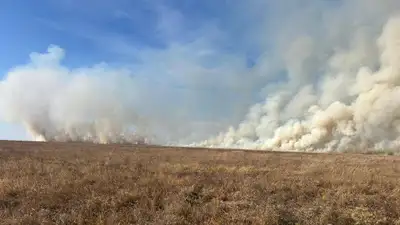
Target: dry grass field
<point>72,183</point>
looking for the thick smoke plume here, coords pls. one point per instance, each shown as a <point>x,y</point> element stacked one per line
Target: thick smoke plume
<point>354,105</point>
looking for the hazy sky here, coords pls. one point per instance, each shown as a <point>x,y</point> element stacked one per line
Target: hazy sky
<point>155,37</point>
<point>200,61</point>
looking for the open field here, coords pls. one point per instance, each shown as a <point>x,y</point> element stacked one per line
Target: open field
<point>61,183</point>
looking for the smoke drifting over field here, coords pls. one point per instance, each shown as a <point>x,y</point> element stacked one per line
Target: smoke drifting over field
<point>55,103</point>
<point>330,75</point>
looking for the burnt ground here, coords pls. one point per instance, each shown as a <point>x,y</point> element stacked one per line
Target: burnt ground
<point>75,183</point>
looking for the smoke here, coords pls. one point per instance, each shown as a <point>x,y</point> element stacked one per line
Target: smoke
<point>55,103</point>
<point>325,74</point>
<point>342,91</point>
<point>119,104</point>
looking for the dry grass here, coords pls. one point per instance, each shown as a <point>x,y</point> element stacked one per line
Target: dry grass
<point>108,184</point>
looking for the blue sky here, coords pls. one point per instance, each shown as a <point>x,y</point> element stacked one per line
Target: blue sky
<point>84,27</point>
<point>198,56</point>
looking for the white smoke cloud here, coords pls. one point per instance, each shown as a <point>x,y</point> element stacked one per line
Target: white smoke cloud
<point>342,89</point>
<point>56,103</point>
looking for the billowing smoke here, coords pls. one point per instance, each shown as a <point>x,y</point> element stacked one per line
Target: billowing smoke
<point>343,101</point>
<point>109,104</point>
<point>55,103</point>
<point>328,73</point>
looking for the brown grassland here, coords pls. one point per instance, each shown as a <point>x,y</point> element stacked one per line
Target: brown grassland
<point>72,183</point>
